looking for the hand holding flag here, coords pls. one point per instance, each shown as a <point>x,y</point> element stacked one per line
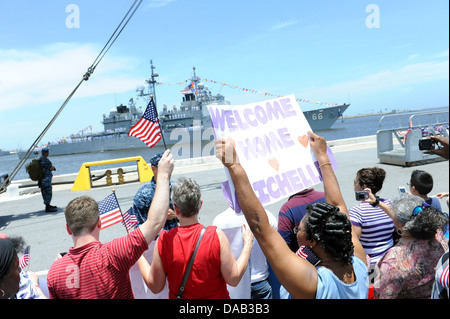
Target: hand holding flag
<point>129,219</point>
<point>110,213</point>
<point>25,258</point>
<point>307,254</point>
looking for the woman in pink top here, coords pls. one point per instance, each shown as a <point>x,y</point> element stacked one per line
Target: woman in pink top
<point>214,265</point>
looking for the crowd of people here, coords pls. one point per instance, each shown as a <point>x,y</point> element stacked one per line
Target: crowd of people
<point>318,248</point>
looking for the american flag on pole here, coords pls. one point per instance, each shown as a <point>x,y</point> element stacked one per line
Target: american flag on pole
<point>129,219</point>
<point>110,213</point>
<point>189,89</point>
<point>25,258</point>
<point>147,128</point>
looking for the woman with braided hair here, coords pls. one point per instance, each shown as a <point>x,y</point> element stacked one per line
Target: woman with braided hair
<point>325,223</point>
<point>325,229</point>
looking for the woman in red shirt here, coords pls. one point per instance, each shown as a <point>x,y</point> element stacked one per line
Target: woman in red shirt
<point>214,265</point>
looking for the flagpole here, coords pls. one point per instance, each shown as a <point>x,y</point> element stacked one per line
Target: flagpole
<point>120,209</point>
<point>159,122</point>
<point>152,82</point>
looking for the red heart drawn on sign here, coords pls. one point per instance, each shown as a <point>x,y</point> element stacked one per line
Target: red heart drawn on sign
<point>274,163</point>
<point>304,140</point>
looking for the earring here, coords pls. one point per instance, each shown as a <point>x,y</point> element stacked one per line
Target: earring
<point>400,231</point>
<point>3,292</point>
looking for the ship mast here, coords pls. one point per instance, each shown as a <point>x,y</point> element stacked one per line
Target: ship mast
<point>151,84</point>
<point>195,80</point>
<point>152,81</point>
<point>197,89</point>
<point>152,95</point>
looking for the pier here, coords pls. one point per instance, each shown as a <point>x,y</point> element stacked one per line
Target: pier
<point>24,215</point>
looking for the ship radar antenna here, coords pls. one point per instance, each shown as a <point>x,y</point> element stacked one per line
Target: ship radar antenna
<point>195,81</point>
<point>152,80</point>
<point>152,95</point>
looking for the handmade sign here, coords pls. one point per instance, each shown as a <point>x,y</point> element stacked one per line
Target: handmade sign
<point>272,143</point>
<point>140,289</point>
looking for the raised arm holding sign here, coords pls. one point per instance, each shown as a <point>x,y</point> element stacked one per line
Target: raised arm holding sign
<point>271,140</point>
<point>324,229</point>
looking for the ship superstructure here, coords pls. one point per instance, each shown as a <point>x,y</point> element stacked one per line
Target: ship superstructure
<point>189,123</point>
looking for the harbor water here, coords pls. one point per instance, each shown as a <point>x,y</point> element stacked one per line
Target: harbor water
<point>348,127</point>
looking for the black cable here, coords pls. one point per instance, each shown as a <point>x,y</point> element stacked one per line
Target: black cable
<point>95,63</point>
<point>86,76</point>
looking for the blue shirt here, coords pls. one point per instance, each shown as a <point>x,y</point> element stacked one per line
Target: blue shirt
<point>434,202</point>
<point>46,168</point>
<point>142,201</point>
<point>329,286</point>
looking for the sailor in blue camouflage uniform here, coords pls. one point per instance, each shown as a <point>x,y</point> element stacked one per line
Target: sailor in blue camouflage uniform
<point>144,196</point>
<point>46,183</point>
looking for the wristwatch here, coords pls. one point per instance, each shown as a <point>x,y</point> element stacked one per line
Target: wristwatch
<point>376,202</point>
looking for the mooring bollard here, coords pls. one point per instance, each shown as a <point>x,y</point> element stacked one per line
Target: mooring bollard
<point>121,177</point>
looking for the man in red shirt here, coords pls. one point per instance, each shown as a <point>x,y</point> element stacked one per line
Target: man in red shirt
<point>92,270</point>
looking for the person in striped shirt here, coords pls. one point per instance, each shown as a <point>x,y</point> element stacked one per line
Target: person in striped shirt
<point>293,211</point>
<point>371,224</point>
<point>440,286</point>
<point>93,270</point>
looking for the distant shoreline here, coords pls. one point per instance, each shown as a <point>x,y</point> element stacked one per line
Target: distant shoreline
<point>395,112</point>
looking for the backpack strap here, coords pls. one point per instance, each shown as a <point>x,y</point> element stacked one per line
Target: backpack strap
<point>189,267</point>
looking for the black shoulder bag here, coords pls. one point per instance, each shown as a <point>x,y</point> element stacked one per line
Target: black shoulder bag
<point>189,267</point>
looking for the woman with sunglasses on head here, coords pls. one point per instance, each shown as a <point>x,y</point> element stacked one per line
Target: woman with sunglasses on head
<point>407,270</point>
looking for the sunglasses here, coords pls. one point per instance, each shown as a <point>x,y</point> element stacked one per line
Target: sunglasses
<point>419,209</point>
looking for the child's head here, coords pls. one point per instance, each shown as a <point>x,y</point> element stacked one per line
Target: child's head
<point>421,182</point>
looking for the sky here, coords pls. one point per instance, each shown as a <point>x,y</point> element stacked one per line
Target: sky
<point>378,55</point>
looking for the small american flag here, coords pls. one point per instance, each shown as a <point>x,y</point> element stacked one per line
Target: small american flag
<point>307,254</point>
<point>147,128</point>
<point>129,219</point>
<point>443,279</point>
<point>189,89</point>
<point>110,213</point>
<point>25,258</point>
<point>301,253</point>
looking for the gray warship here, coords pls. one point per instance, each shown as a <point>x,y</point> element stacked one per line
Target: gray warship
<point>186,130</point>
<point>2,153</point>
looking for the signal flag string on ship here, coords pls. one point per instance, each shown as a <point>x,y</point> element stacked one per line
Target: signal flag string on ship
<point>246,90</point>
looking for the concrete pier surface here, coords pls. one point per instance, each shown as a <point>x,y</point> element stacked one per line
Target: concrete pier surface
<point>24,215</point>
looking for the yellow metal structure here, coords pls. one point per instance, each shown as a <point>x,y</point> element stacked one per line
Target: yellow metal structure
<point>83,181</point>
